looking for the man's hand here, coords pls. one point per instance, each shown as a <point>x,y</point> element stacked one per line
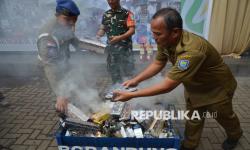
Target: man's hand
<point>122,96</point>
<point>114,39</point>
<point>98,38</point>
<point>62,104</point>
<point>130,83</point>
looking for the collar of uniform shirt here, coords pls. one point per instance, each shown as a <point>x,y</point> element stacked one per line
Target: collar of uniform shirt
<point>170,50</point>
<point>117,10</point>
<point>179,46</point>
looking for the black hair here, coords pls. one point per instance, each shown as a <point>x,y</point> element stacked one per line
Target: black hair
<point>172,17</point>
<point>64,11</point>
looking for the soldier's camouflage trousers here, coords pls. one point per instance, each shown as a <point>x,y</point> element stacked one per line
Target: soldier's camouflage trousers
<point>120,62</point>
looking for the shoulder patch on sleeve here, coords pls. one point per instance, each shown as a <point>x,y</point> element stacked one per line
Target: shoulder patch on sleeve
<point>183,64</point>
<point>43,35</point>
<point>51,44</point>
<point>185,56</point>
<point>131,15</point>
<point>130,19</point>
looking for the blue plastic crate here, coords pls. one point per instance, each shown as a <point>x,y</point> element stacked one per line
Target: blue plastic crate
<point>108,143</point>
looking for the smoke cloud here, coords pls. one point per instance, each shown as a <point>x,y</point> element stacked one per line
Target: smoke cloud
<point>80,85</point>
<point>172,97</point>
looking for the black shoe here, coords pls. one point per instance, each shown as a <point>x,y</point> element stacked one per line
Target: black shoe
<point>229,144</point>
<point>2,101</point>
<point>1,96</point>
<point>184,148</point>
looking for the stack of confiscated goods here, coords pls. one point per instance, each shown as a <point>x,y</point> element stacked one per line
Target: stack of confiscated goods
<point>118,122</point>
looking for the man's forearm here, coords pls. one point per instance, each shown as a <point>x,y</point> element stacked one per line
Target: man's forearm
<point>150,71</point>
<point>127,34</point>
<point>54,76</point>
<point>165,86</point>
<point>51,72</point>
<point>100,33</point>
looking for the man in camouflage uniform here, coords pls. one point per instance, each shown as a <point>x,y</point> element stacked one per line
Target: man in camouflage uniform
<point>119,25</point>
<point>53,47</point>
<point>208,82</point>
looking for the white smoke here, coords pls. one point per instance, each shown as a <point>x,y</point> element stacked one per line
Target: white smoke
<point>173,97</point>
<point>80,85</point>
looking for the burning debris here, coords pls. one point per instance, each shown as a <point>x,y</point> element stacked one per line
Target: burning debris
<point>117,122</point>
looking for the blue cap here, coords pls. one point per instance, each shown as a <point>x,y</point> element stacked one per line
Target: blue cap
<point>67,7</point>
